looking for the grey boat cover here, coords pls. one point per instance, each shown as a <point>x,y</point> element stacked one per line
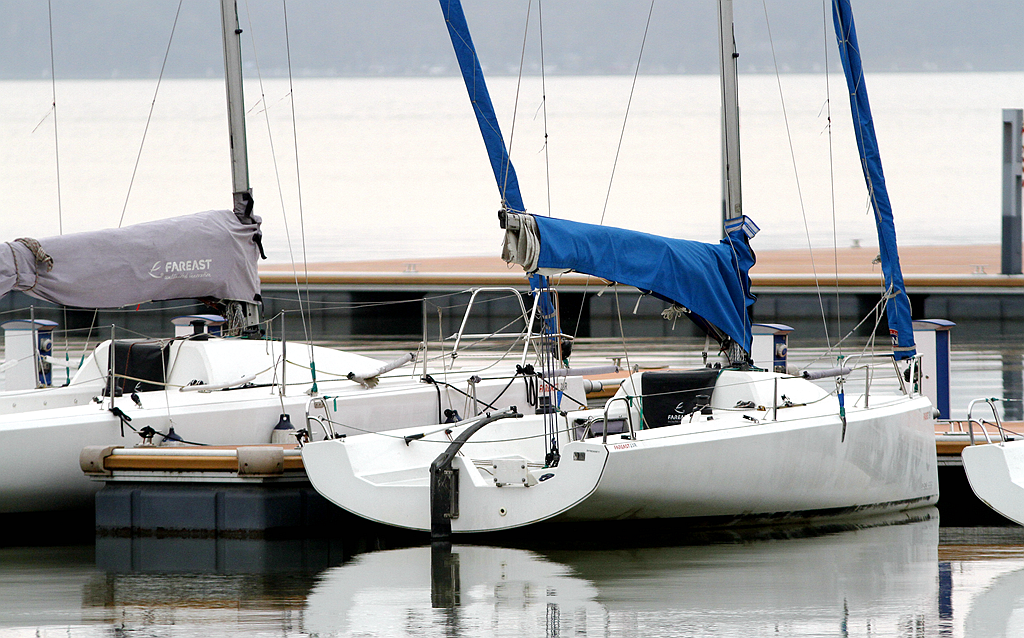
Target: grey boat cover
<point>209,254</point>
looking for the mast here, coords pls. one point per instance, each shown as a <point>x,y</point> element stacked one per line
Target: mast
<point>242,315</point>
<point>732,200</point>
<point>732,203</point>
<point>236,104</point>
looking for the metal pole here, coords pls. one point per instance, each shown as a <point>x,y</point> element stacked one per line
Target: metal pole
<point>35,342</point>
<point>426,337</point>
<point>732,204</point>
<point>1012,160</point>
<point>284,357</point>
<point>110,358</point>
<point>236,102</point>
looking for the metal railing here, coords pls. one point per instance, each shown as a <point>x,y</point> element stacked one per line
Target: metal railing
<point>991,403</point>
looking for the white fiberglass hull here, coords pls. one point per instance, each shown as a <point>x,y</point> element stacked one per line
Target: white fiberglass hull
<point>996,474</point>
<point>349,474</point>
<point>42,432</point>
<point>733,466</point>
<point>803,468</point>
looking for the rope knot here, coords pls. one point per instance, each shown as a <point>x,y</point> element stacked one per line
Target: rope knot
<point>37,251</point>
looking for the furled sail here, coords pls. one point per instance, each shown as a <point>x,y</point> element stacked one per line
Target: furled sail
<point>897,308</point>
<point>711,281</point>
<point>209,254</point>
<point>472,73</point>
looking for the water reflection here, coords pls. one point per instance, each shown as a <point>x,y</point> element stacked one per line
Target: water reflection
<point>890,576</point>
<point>994,610</point>
<point>1013,386</point>
<point>880,577</point>
<point>467,591</point>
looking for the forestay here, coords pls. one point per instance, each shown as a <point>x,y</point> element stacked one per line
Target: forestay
<point>209,254</point>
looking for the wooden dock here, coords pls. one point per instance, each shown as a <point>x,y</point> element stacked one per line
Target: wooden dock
<point>974,267</point>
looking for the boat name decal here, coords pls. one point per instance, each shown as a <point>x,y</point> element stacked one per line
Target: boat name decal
<point>623,446</point>
<point>184,269</point>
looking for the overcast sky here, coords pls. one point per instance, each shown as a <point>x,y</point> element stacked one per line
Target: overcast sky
<point>128,38</point>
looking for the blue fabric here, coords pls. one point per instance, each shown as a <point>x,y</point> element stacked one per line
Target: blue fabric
<point>711,280</point>
<point>504,173</point>
<point>897,307</point>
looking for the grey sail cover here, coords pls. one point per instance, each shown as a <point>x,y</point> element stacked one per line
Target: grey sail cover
<point>209,254</point>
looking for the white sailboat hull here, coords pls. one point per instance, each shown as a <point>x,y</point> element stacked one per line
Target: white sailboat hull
<point>996,474</point>
<point>887,462</point>
<point>43,432</point>
<point>400,496</point>
<point>41,451</point>
<point>720,469</point>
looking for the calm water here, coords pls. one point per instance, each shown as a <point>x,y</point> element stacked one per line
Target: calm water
<point>899,576</point>
<point>394,168</point>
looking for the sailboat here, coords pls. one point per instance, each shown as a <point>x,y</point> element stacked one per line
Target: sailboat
<point>725,444</point>
<point>220,382</point>
<point>995,469</point>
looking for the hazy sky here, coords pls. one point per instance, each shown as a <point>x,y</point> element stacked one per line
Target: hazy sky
<point>128,38</point>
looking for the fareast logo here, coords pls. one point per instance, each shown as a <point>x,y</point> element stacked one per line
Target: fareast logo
<point>186,269</point>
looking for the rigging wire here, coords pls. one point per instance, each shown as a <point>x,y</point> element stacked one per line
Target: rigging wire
<point>544,301</point>
<point>796,176</point>
<point>53,107</point>
<point>56,156</point>
<point>831,173</point>
<point>149,118</point>
<point>515,104</point>
<point>298,175</point>
<point>544,103</point>
<point>625,118</point>
<point>277,173</point>
<point>611,178</point>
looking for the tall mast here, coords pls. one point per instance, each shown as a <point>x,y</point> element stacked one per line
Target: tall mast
<point>732,202</point>
<point>242,314</point>
<point>236,104</point>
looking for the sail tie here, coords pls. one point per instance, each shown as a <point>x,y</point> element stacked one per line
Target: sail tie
<point>37,251</point>
<point>673,312</point>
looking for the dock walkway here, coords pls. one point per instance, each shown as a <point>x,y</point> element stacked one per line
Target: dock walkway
<point>974,267</point>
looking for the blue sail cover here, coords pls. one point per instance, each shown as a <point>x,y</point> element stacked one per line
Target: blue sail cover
<point>504,173</point>
<point>898,306</point>
<point>710,280</point>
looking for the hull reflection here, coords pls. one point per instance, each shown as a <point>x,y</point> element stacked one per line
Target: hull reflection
<point>878,576</point>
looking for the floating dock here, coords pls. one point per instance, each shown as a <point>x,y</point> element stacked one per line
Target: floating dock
<point>255,491</point>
